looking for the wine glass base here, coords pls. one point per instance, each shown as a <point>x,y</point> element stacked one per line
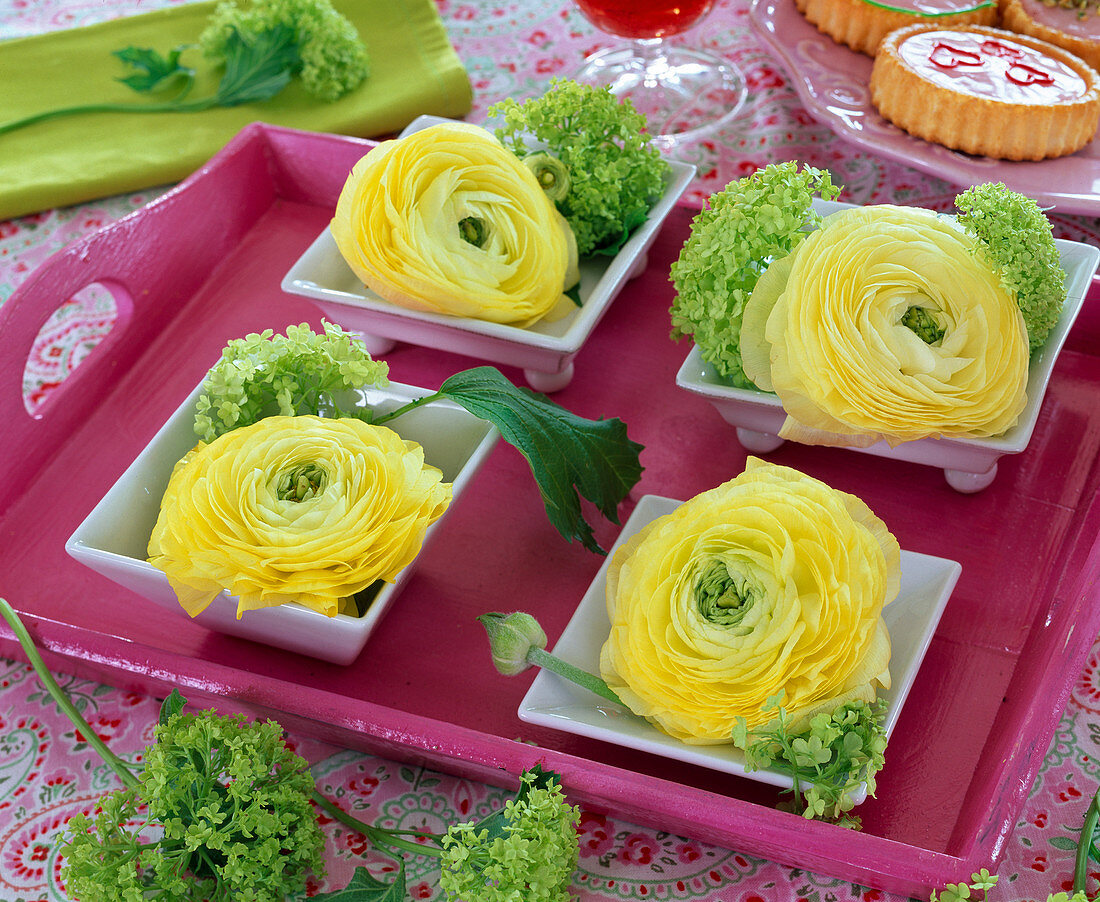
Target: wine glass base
<point>683,93</point>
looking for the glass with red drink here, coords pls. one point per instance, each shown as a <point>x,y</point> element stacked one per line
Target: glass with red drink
<point>641,19</point>
<point>683,92</point>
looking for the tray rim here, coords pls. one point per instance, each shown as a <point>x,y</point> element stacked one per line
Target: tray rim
<point>872,860</point>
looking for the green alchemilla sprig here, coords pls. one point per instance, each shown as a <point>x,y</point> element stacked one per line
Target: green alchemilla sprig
<point>829,760</point>
<point>980,882</point>
<point>261,48</point>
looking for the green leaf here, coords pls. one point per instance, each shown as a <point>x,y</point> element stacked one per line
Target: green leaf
<point>496,822</point>
<point>153,70</point>
<point>258,68</point>
<point>364,888</point>
<point>171,706</point>
<point>634,218</point>
<point>567,453</point>
<point>1064,843</point>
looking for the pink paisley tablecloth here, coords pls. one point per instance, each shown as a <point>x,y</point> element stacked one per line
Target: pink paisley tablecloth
<point>510,48</point>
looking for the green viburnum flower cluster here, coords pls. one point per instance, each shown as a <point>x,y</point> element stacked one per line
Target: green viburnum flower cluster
<point>330,59</point>
<point>1017,236</point>
<point>829,760</point>
<point>744,227</point>
<point>222,812</point>
<point>265,374</point>
<point>612,169</point>
<point>528,856</point>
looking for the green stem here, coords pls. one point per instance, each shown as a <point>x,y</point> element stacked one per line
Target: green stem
<point>377,835</point>
<point>1081,865</point>
<point>67,707</point>
<point>540,657</point>
<point>171,106</point>
<point>405,408</point>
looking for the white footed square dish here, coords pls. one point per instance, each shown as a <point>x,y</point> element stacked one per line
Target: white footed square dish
<point>114,537</point>
<point>926,586</point>
<point>544,351</point>
<point>969,464</point>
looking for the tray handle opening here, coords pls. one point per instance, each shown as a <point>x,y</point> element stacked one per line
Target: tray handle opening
<point>105,308</point>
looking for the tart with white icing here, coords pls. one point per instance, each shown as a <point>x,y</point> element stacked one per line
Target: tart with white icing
<point>986,91</point>
<point>1074,26</point>
<point>862,24</point>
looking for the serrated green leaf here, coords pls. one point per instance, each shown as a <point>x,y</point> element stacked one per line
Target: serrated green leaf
<point>258,68</point>
<point>153,70</point>
<point>364,888</point>
<point>171,706</point>
<point>567,454</point>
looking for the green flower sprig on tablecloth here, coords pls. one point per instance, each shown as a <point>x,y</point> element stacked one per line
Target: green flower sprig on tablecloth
<point>1086,851</point>
<point>260,47</point>
<point>221,810</point>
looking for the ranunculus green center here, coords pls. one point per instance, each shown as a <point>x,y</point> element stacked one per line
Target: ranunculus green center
<point>923,324</point>
<point>473,230</point>
<point>301,482</point>
<point>724,598</point>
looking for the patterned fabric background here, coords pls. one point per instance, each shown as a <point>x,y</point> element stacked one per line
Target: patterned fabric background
<point>511,48</point>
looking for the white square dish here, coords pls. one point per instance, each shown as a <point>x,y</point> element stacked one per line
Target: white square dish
<point>545,351</point>
<point>114,537</point>
<point>926,586</point>
<point>969,464</point>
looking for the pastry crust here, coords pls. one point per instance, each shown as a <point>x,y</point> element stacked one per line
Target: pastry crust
<point>1015,16</point>
<point>1023,99</point>
<point>862,25</point>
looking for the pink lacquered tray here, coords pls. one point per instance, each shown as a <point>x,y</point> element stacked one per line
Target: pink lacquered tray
<point>203,264</point>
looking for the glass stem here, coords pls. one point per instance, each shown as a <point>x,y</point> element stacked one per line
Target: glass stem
<point>651,51</point>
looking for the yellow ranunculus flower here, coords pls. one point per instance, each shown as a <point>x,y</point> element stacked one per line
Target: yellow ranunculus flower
<point>826,329</point>
<point>447,220</point>
<point>302,509</point>
<point>772,581</point>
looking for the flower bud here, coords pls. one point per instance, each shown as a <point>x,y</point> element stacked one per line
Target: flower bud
<point>511,637</point>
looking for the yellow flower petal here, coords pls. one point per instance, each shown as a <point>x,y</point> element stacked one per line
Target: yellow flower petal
<point>399,225</point>
<point>824,330</point>
<point>228,519</point>
<point>772,581</point>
